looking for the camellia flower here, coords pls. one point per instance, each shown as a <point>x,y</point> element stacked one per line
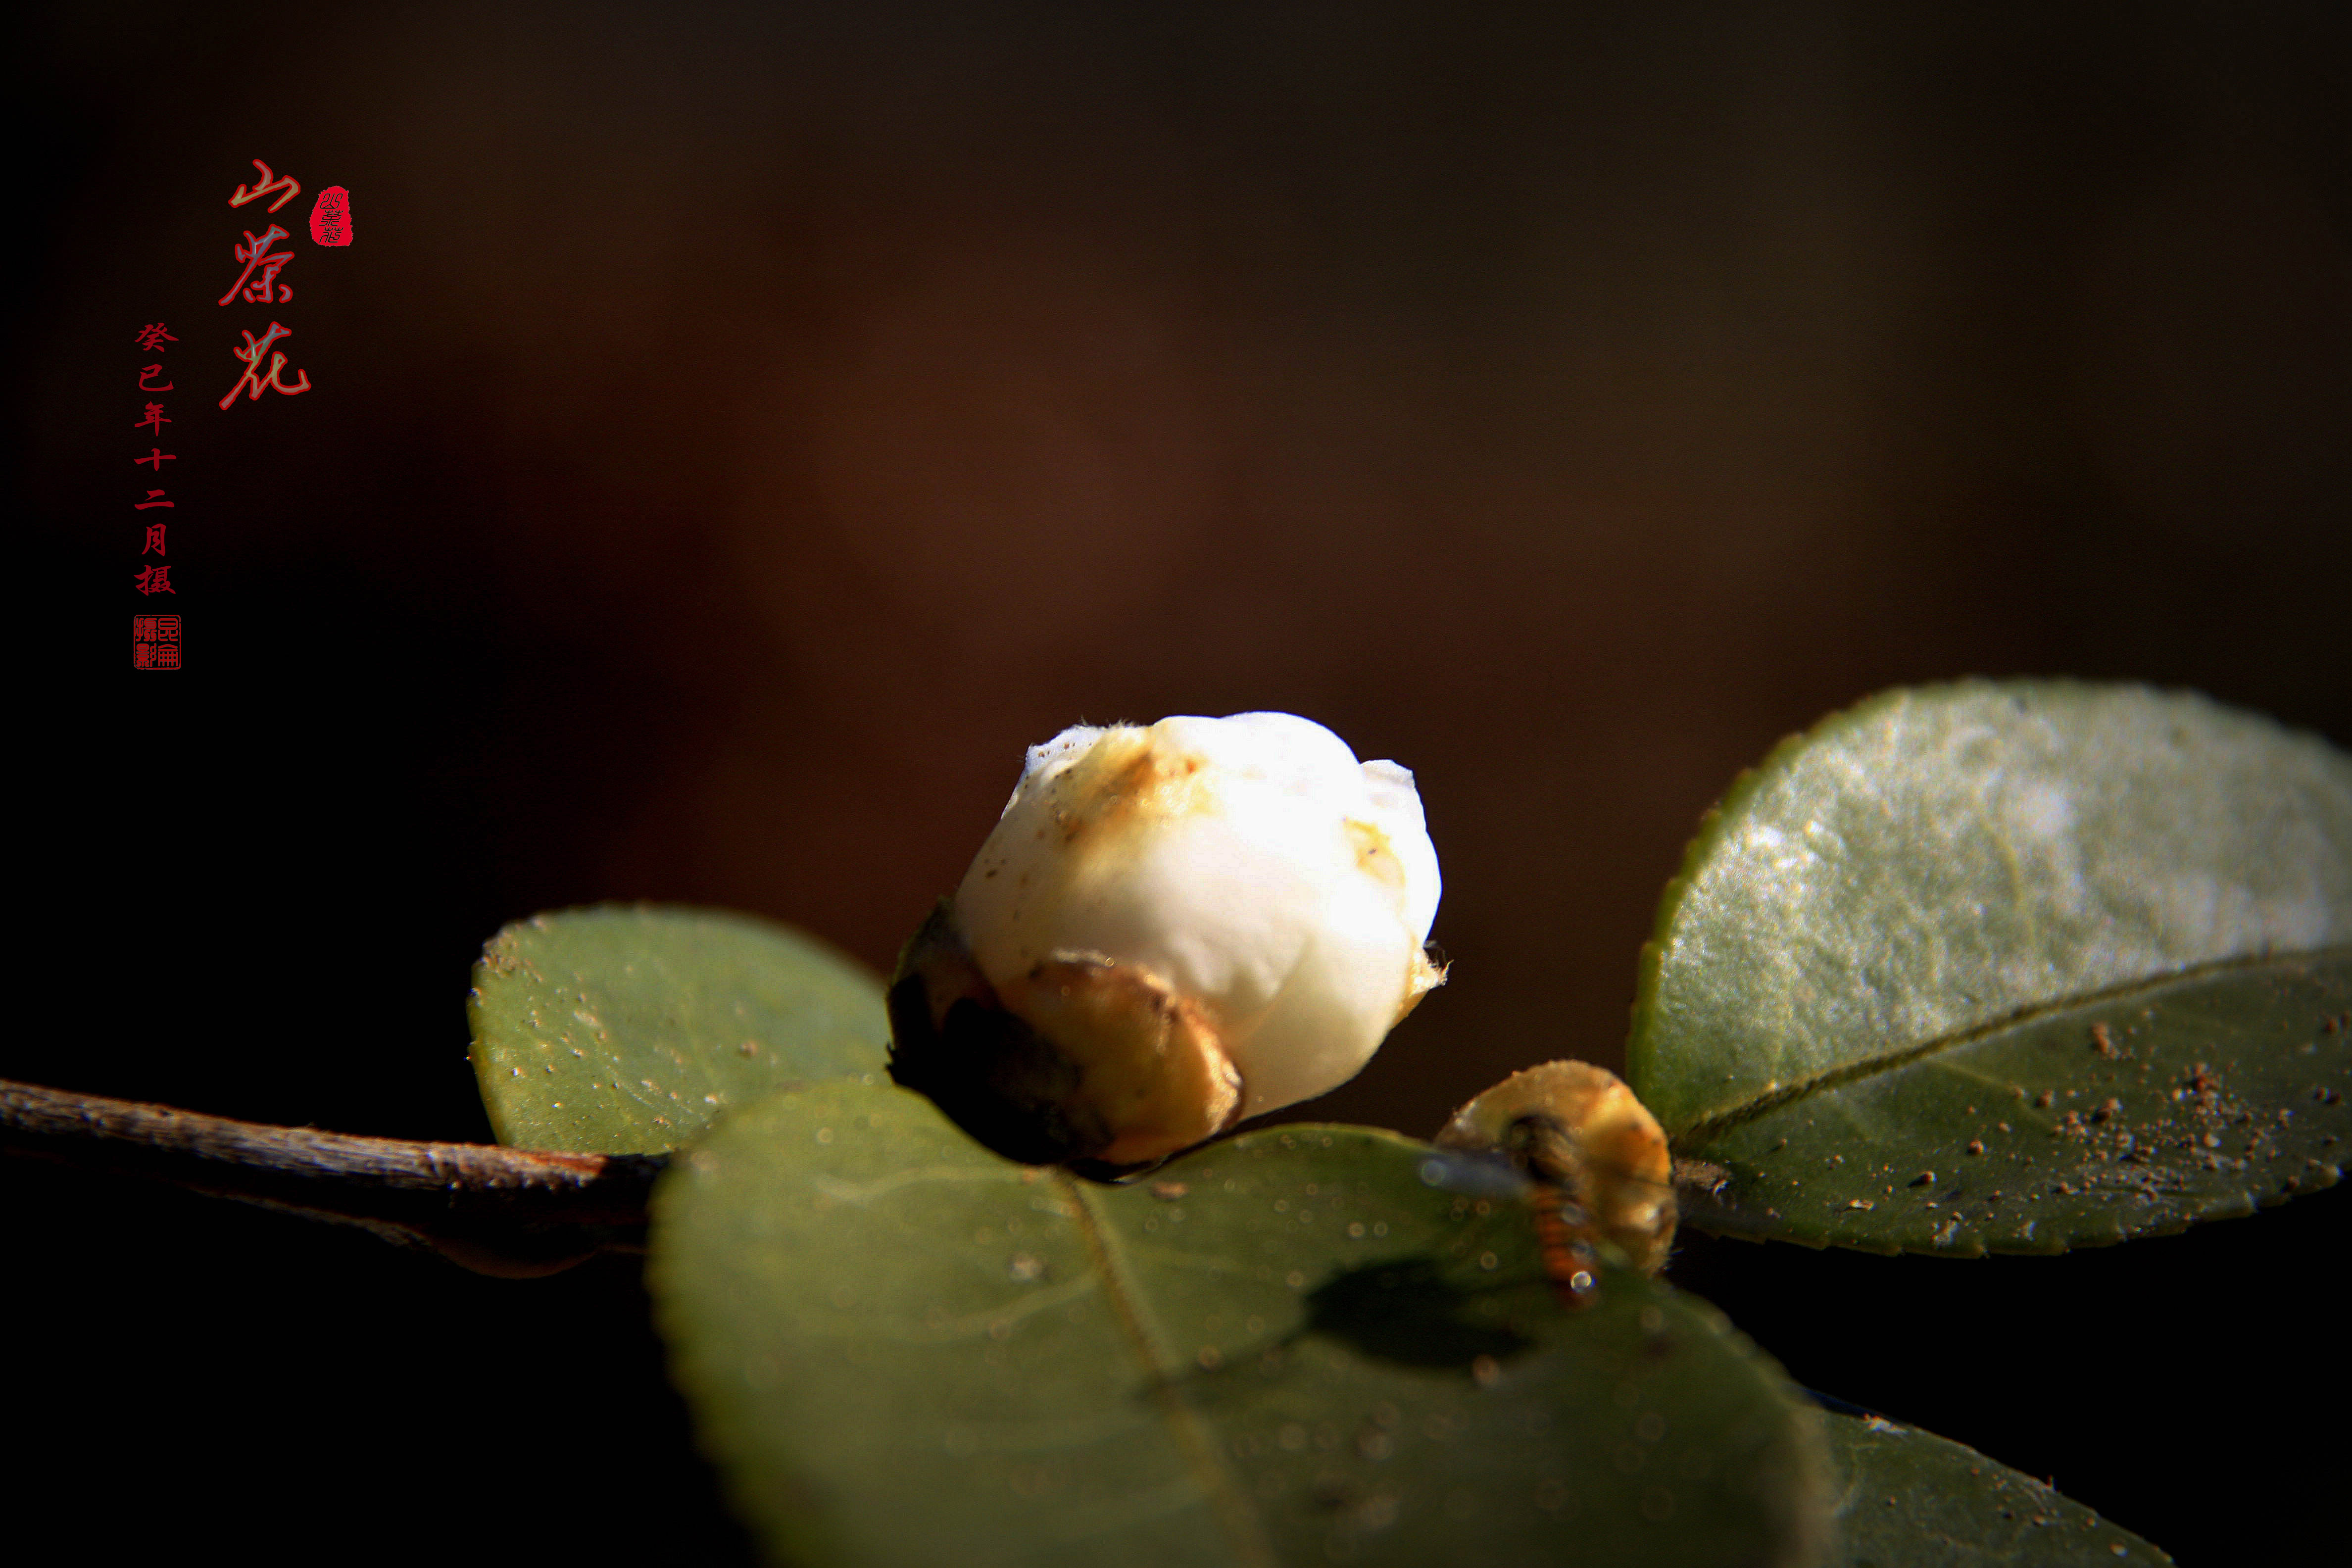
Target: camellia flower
<point>1173,927</point>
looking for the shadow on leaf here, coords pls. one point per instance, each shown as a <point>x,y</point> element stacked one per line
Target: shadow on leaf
<point>1406,1313</point>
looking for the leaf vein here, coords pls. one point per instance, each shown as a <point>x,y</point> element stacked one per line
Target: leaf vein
<point>1698,1135</point>
<point>1212,1474</point>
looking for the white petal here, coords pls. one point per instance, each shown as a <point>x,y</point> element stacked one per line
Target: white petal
<point>1396,806</point>
<point>1337,1005</point>
<point>1052,756</point>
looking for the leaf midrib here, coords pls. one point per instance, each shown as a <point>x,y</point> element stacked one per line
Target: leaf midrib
<point>1228,1500</point>
<point>1699,1134</point>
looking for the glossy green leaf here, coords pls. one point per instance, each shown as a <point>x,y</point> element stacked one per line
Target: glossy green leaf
<point>628,1028</point>
<point>1940,885</point>
<point>1912,1499</point>
<point>2190,1099</point>
<point>1941,859</point>
<point>1300,1346</point>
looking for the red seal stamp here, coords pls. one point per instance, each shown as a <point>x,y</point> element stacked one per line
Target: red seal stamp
<point>154,642</point>
<point>330,216</point>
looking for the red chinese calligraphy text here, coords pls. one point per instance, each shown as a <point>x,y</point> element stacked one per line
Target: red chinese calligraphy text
<point>255,381</point>
<point>257,253</point>
<point>267,184</point>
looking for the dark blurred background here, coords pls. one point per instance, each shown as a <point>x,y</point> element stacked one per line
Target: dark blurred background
<point>738,431</point>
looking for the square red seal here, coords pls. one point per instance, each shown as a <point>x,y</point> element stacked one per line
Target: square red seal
<point>154,642</point>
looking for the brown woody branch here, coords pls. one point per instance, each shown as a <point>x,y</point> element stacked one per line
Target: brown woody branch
<point>515,1213</point>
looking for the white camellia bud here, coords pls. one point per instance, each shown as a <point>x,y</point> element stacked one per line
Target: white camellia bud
<point>1173,927</point>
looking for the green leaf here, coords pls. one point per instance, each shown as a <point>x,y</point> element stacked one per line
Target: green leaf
<point>1302,1346</point>
<point>2191,1099</point>
<point>1955,882</point>
<point>1912,1499</point>
<point>628,1028</point>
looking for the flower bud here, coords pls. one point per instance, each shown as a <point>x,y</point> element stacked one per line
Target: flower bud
<point>1580,1128</point>
<point>1171,927</point>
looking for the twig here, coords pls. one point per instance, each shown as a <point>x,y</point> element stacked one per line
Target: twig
<point>515,1213</point>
